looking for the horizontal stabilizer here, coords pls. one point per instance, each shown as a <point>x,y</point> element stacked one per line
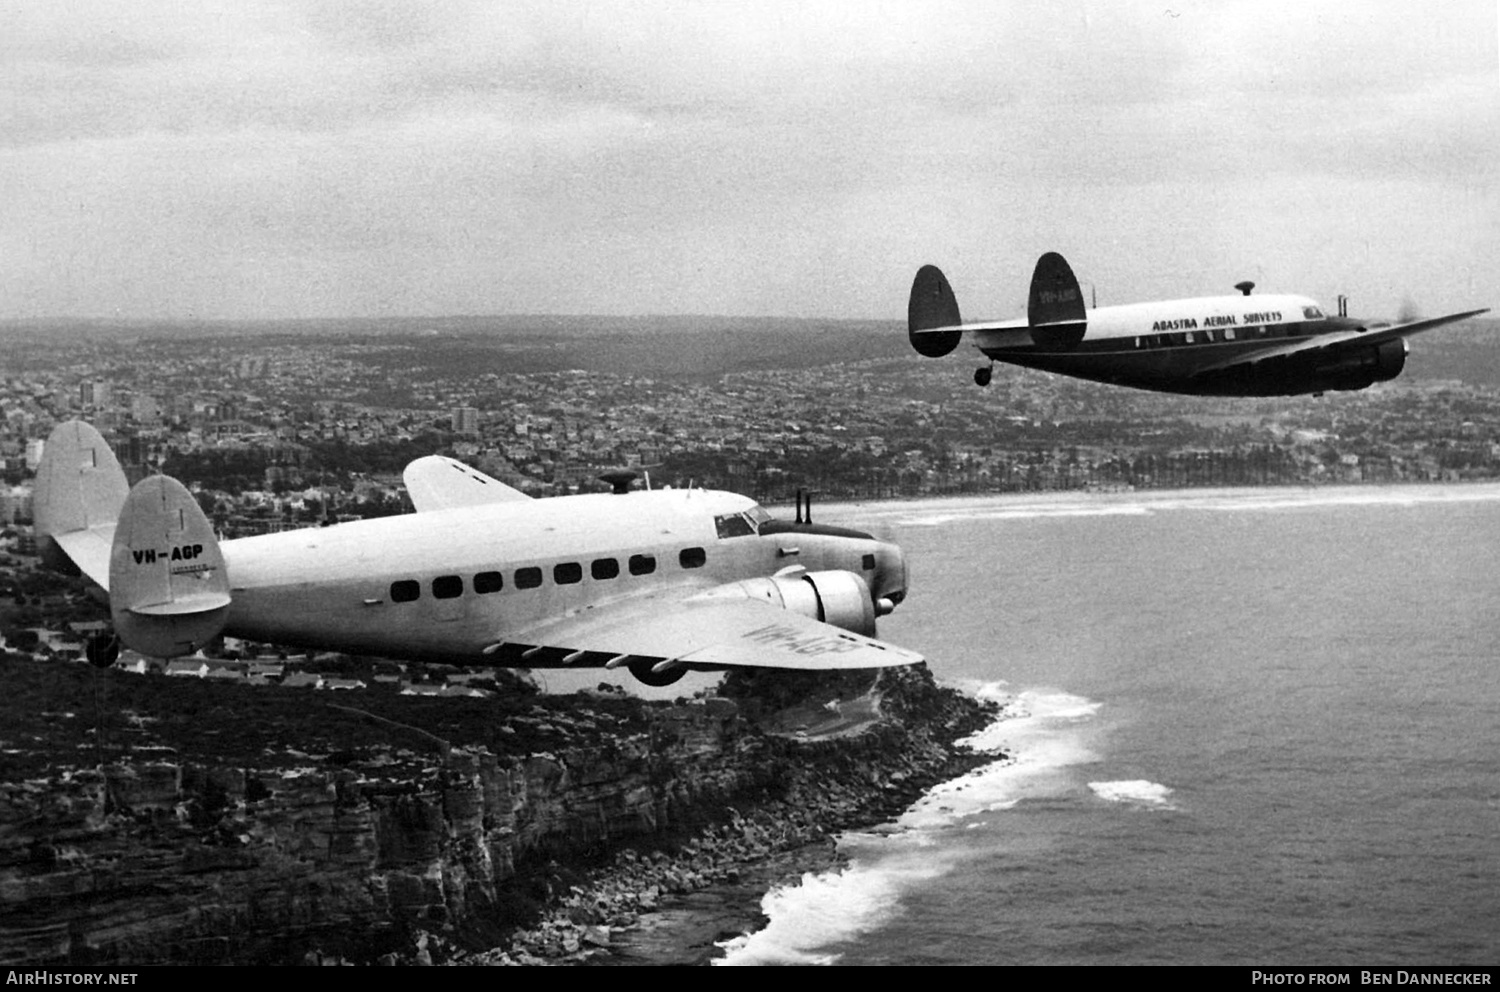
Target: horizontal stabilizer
<point>437,483</point>
<point>168,586</point>
<point>932,305</point>
<point>80,489</point>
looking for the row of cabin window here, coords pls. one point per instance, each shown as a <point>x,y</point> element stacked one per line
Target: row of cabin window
<point>1211,335</point>
<point>530,577</point>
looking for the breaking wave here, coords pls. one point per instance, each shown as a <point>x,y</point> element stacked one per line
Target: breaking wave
<point>1039,731</point>
<point>1151,795</point>
<point>934,513</point>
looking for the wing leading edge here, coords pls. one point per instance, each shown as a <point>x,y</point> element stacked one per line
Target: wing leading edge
<point>1339,339</point>
<point>714,629</point>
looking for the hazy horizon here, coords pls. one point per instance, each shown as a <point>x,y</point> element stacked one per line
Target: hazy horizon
<point>707,321</point>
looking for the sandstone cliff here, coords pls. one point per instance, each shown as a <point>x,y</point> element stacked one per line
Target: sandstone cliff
<point>222,839</point>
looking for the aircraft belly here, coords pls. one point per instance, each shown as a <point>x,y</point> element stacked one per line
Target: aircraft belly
<point>1172,370</point>
<point>1144,370</point>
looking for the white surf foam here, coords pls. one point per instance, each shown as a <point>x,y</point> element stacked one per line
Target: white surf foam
<point>1037,728</point>
<point>1027,513</point>
<point>822,910</point>
<point>1139,792</point>
<point>1033,730</point>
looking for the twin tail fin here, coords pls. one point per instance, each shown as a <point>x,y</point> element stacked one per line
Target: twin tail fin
<point>80,488</point>
<point>168,586</point>
<point>151,548</point>
<point>1055,314</point>
<point>1054,306</point>
<point>932,305</point>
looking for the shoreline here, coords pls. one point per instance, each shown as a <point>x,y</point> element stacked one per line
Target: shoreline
<point>679,908</point>
<point>1057,495</point>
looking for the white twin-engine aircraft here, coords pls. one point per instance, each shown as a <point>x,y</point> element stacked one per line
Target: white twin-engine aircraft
<point>1281,345</point>
<point>659,582</point>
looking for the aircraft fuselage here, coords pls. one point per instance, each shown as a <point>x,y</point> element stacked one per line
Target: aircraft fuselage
<point>1165,346</point>
<point>467,584</point>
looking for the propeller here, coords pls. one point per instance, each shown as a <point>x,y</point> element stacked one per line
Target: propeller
<point>1405,314</point>
<point>1408,311</point>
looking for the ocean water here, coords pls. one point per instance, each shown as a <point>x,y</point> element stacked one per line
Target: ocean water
<point>1245,726</point>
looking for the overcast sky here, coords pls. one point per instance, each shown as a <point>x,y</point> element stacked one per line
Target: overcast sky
<point>387,158</point>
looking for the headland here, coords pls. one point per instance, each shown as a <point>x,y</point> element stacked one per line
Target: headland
<point>157,820</point>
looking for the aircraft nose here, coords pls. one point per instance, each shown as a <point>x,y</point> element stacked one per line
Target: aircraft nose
<point>889,583</point>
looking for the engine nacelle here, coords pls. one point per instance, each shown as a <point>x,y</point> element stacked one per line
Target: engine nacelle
<point>835,597</point>
<point>1359,369</point>
<point>1390,359</point>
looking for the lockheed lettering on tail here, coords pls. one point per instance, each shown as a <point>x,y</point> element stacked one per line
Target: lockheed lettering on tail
<point>1277,345</point>
<point>658,582</point>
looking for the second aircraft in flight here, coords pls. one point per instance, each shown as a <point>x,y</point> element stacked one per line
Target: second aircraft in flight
<point>1267,345</point>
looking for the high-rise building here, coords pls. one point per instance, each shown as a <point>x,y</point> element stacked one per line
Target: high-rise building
<point>465,420</point>
<point>97,393</point>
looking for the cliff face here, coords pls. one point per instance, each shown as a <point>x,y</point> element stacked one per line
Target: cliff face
<point>171,861</point>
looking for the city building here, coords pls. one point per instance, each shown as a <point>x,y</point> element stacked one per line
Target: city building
<point>465,420</point>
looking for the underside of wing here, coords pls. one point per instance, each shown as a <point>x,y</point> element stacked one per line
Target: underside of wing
<point>1337,340</point>
<point>438,483</point>
<point>709,630</point>
<point>1300,346</point>
<point>89,550</point>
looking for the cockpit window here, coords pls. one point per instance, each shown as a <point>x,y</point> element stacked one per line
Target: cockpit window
<point>734,525</point>
<point>758,515</point>
<point>1312,313</point>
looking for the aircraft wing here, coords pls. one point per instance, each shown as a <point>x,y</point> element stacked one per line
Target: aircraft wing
<point>1337,339</point>
<point>437,483</point>
<point>716,628</point>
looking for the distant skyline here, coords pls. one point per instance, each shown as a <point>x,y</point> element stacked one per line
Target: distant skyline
<point>387,158</point>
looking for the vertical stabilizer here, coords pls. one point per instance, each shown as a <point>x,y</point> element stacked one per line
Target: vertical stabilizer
<point>932,305</point>
<point>80,489</point>
<point>1054,308</point>
<point>168,587</point>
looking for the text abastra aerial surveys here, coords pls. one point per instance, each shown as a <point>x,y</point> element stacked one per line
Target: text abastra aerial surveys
<point>1266,345</point>
<point>658,582</point>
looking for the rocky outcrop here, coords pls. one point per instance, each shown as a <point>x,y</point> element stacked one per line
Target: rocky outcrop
<point>402,855</point>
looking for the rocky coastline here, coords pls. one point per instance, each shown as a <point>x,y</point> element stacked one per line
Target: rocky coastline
<point>197,824</point>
